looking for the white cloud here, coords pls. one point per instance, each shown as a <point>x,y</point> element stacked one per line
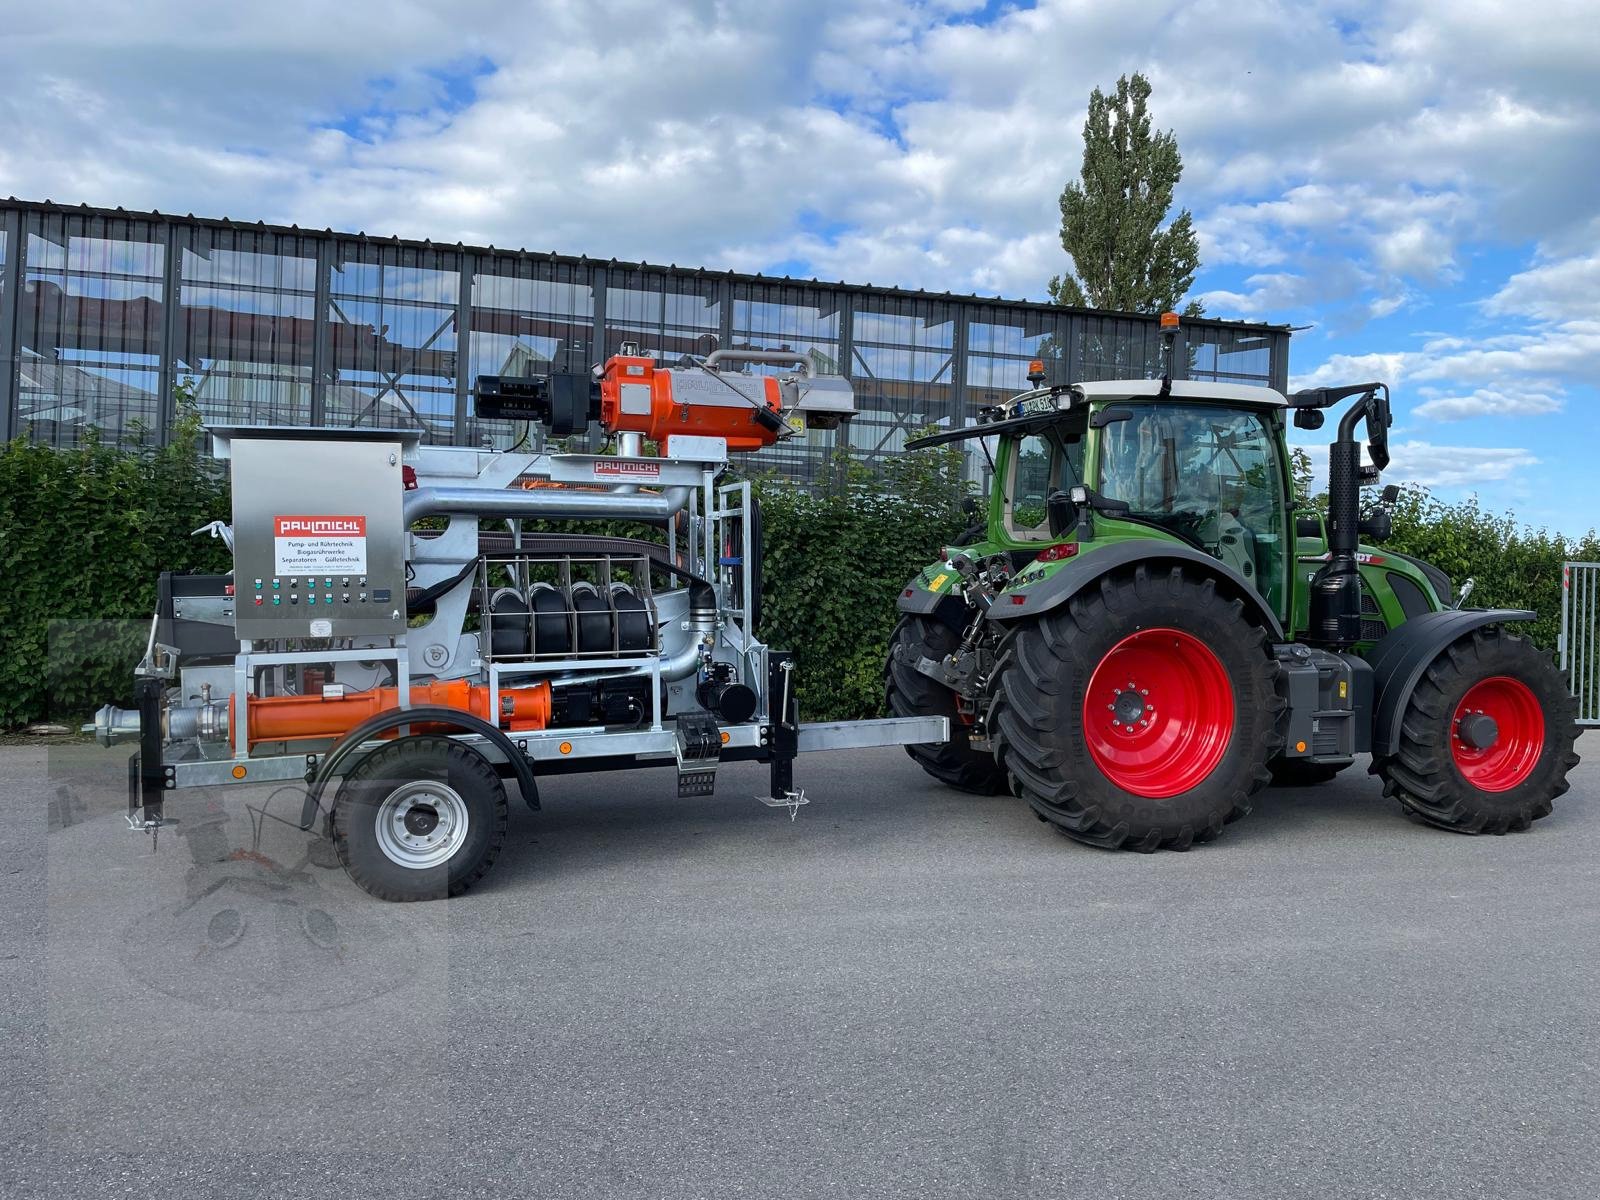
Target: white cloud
<point>735,126</point>
<point>1489,402</point>
<point>1565,289</point>
<point>1464,467</point>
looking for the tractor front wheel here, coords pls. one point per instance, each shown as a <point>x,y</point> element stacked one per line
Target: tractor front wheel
<point>1486,737</point>
<point>1142,714</point>
<point>910,693</point>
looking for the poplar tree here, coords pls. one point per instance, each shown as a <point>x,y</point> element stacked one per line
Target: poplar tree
<point>1111,217</point>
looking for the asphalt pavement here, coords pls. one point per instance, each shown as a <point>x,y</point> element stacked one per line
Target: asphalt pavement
<point>906,991</point>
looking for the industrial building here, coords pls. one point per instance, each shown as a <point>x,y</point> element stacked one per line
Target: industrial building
<point>108,317</point>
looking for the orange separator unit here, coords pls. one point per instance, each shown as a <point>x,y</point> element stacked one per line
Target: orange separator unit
<point>637,396</point>
<point>303,718</point>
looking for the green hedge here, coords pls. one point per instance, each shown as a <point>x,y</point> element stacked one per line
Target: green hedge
<point>83,534</point>
<point>1515,566</point>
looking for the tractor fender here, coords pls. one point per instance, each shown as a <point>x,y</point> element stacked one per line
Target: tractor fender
<point>946,607</point>
<point>1086,569</point>
<point>1400,658</point>
<point>378,724</point>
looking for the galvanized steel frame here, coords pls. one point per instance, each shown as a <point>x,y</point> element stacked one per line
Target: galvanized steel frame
<point>1579,645</point>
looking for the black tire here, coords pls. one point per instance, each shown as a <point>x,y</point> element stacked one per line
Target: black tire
<point>1427,778</point>
<point>1293,772</point>
<point>463,785</point>
<point>1037,716</point>
<point>910,693</point>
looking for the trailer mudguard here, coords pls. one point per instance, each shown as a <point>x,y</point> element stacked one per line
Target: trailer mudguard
<point>1080,572</point>
<point>1399,660</point>
<point>387,722</point>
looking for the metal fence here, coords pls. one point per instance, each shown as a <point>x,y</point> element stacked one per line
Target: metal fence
<point>1580,636</point>
<point>106,316</point>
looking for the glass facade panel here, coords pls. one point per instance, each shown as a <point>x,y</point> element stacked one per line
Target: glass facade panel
<point>246,341</point>
<point>1232,356</point>
<point>1001,342</point>
<point>89,328</point>
<point>392,339</point>
<point>529,317</point>
<point>288,326</point>
<point>671,317</point>
<point>902,363</point>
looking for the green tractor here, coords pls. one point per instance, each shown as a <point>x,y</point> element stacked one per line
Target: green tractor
<point>1147,631</point>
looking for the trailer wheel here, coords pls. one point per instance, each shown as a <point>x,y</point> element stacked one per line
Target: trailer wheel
<point>910,693</point>
<point>419,818</point>
<point>1486,738</point>
<point>1141,714</point>
<point>1293,772</point>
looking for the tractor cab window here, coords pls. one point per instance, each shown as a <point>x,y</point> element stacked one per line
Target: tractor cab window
<point>1042,463</point>
<point>1209,474</point>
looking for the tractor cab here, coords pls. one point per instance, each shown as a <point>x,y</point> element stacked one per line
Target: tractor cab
<point>1200,464</point>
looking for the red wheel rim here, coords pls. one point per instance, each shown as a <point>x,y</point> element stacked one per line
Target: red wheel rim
<point>1158,715</point>
<point>1517,737</point>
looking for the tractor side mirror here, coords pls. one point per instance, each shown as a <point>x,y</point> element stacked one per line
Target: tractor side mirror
<point>1308,418</point>
<point>1377,526</point>
<point>1062,512</point>
<point>1389,495</point>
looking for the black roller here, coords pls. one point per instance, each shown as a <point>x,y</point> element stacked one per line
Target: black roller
<point>594,619</point>
<point>551,632</point>
<point>633,618</point>
<point>508,629</point>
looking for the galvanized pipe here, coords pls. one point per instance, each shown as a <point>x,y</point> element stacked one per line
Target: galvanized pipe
<point>545,502</point>
<point>771,358</point>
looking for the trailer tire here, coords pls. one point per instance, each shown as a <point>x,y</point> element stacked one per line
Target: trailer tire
<point>1142,713</point>
<point>1439,775</point>
<point>910,693</point>
<point>419,818</point>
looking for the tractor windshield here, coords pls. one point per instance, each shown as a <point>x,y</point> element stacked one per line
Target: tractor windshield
<point>1048,460</point>
<point>1209,474</point>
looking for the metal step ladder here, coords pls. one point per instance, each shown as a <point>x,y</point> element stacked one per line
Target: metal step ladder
<point>698,749</point>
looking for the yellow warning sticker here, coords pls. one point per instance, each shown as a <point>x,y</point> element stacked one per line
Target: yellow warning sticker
<point>1344,689</point>
<point>937,582</point>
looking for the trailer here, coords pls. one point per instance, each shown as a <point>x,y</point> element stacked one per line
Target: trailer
<point>408,629</point>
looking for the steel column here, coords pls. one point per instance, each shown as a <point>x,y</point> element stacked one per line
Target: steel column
<point>173,240</point>
<point>834,471</point>
<point>958,367</point>
<point>725,312</point>
<point>597,348</point>
<point>321,332</point>
<point>1278,358</point>
<point>463,347</point>
<point>10,334</point>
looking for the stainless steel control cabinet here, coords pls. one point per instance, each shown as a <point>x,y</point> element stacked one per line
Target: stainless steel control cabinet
<point>319,537</point>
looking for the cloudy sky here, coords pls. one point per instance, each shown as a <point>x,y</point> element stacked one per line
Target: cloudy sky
<point>1416,181</point>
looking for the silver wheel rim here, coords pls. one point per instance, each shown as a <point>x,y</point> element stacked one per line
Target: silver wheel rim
<point>421,825</point>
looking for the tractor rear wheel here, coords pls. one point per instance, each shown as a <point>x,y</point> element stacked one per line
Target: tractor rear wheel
<point>910,693</point>
<point>1142,714</point>
<point>1486,737</point>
